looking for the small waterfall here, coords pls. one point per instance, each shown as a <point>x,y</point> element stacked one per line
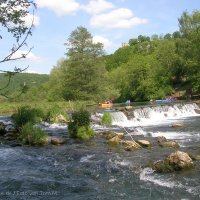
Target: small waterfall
<point>149,115</point>
<point>119,118</point>
<point>166,111</point>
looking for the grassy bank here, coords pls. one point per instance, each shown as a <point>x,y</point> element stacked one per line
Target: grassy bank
<point>8,108</point>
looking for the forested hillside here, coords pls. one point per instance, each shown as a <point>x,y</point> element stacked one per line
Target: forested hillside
<point>18,80</point>
<point>149,67</point>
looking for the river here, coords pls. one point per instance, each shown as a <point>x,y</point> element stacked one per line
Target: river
<point>93,170</point>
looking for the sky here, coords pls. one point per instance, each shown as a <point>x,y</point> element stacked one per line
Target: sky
<point>111,22</point>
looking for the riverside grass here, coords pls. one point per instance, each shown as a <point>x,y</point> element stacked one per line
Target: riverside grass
<point>8,108</point>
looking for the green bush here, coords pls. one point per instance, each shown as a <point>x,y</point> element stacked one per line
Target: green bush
<point>81,118</point>
<point>85,133</point>
<point>33,135</point>
<point>79,125</point>
<point>27,114</point>
<point>53,112</point>
<point>106,119</point>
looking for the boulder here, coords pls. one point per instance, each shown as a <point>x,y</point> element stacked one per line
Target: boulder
<point>144,143</point>
<point>172,144</point>
<point>129,107</point>
<point>11,128</point>
<point>161,139</point>
<point>177,125</point>
<point>2,128</point>
<point>114,140</point>
<point>197,111</point>
<point>109,134</point>
<point>130,145</point>
<point>174,162</point>
<point>60,118</point>
<point>180,160</point>
<point>57,140</point>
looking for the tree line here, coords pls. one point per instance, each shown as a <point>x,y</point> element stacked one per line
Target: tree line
<point>150,67</point>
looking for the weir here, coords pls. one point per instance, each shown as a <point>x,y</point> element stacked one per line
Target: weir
<point>150,114</point>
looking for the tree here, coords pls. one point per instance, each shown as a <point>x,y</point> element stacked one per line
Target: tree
<point>154,37</point>
<point>142,38</point>
<point>133,42</point>
<point>84,76</point>
<point>167,36</point>
<point>12,21</point>
<point>188,48</point>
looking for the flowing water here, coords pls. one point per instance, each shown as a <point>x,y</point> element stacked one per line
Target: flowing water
<point>94,170</point>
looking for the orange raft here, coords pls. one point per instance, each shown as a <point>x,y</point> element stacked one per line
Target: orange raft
<point>105,105</point>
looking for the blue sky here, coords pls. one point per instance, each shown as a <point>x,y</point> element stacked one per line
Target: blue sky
<point>111,22</point>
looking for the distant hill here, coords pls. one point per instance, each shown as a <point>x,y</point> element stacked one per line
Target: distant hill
<point>30,80</point>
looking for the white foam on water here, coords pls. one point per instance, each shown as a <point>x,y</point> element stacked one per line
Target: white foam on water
<point>6,153</point>
<point>122,163</point>
<point>173,135</point>
<point>58,126</point>
<point>155,115</point>
<point>112,180</point>
<point>148,175</point>
<point>86,158</point>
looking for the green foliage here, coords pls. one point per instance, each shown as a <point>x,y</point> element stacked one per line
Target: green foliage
<point>12,17</point>
<point>34,83</point>
<point>79,125</point>
<point>53,112</point>
<point>188,48</point>
<point>81,118</point>
<point>32,135</point>
<point>82,76</point>
<point>85,133</point>
<point>27,114</point>
<point>106,119</point>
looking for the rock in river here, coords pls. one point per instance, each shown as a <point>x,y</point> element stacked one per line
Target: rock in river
<point>174,162</point>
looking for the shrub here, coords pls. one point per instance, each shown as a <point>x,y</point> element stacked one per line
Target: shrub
<point>27,114</point>
<point>81,118</point>
<point>79,125</point>
<point>85,132</point>
<point>32,135</point>
<point>53,112</point>
<point>106,119</point>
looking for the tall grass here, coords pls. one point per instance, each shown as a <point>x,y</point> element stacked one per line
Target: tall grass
<point>27,114</point>
<point>106,119</point>
<point>33,135</point>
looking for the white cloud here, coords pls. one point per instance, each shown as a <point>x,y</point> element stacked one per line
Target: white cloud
<point>31,56</point>
<point>31,71</point>
<point>119,18</point>
<point>30,18</point>
<point>106,42</point>
<point>97,6</point>
<point>60,7</point>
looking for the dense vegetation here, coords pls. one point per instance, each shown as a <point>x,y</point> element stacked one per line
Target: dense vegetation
<point>34,84</point>
<point>149,67</point>
<point>13,16</point>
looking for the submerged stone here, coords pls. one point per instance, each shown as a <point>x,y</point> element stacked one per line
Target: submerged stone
<point>130,145</point>
<point>177,125</point>
<point>144,143</point>
<point>57,140</point>
<point>114,140</point>
<point>172,144</point>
